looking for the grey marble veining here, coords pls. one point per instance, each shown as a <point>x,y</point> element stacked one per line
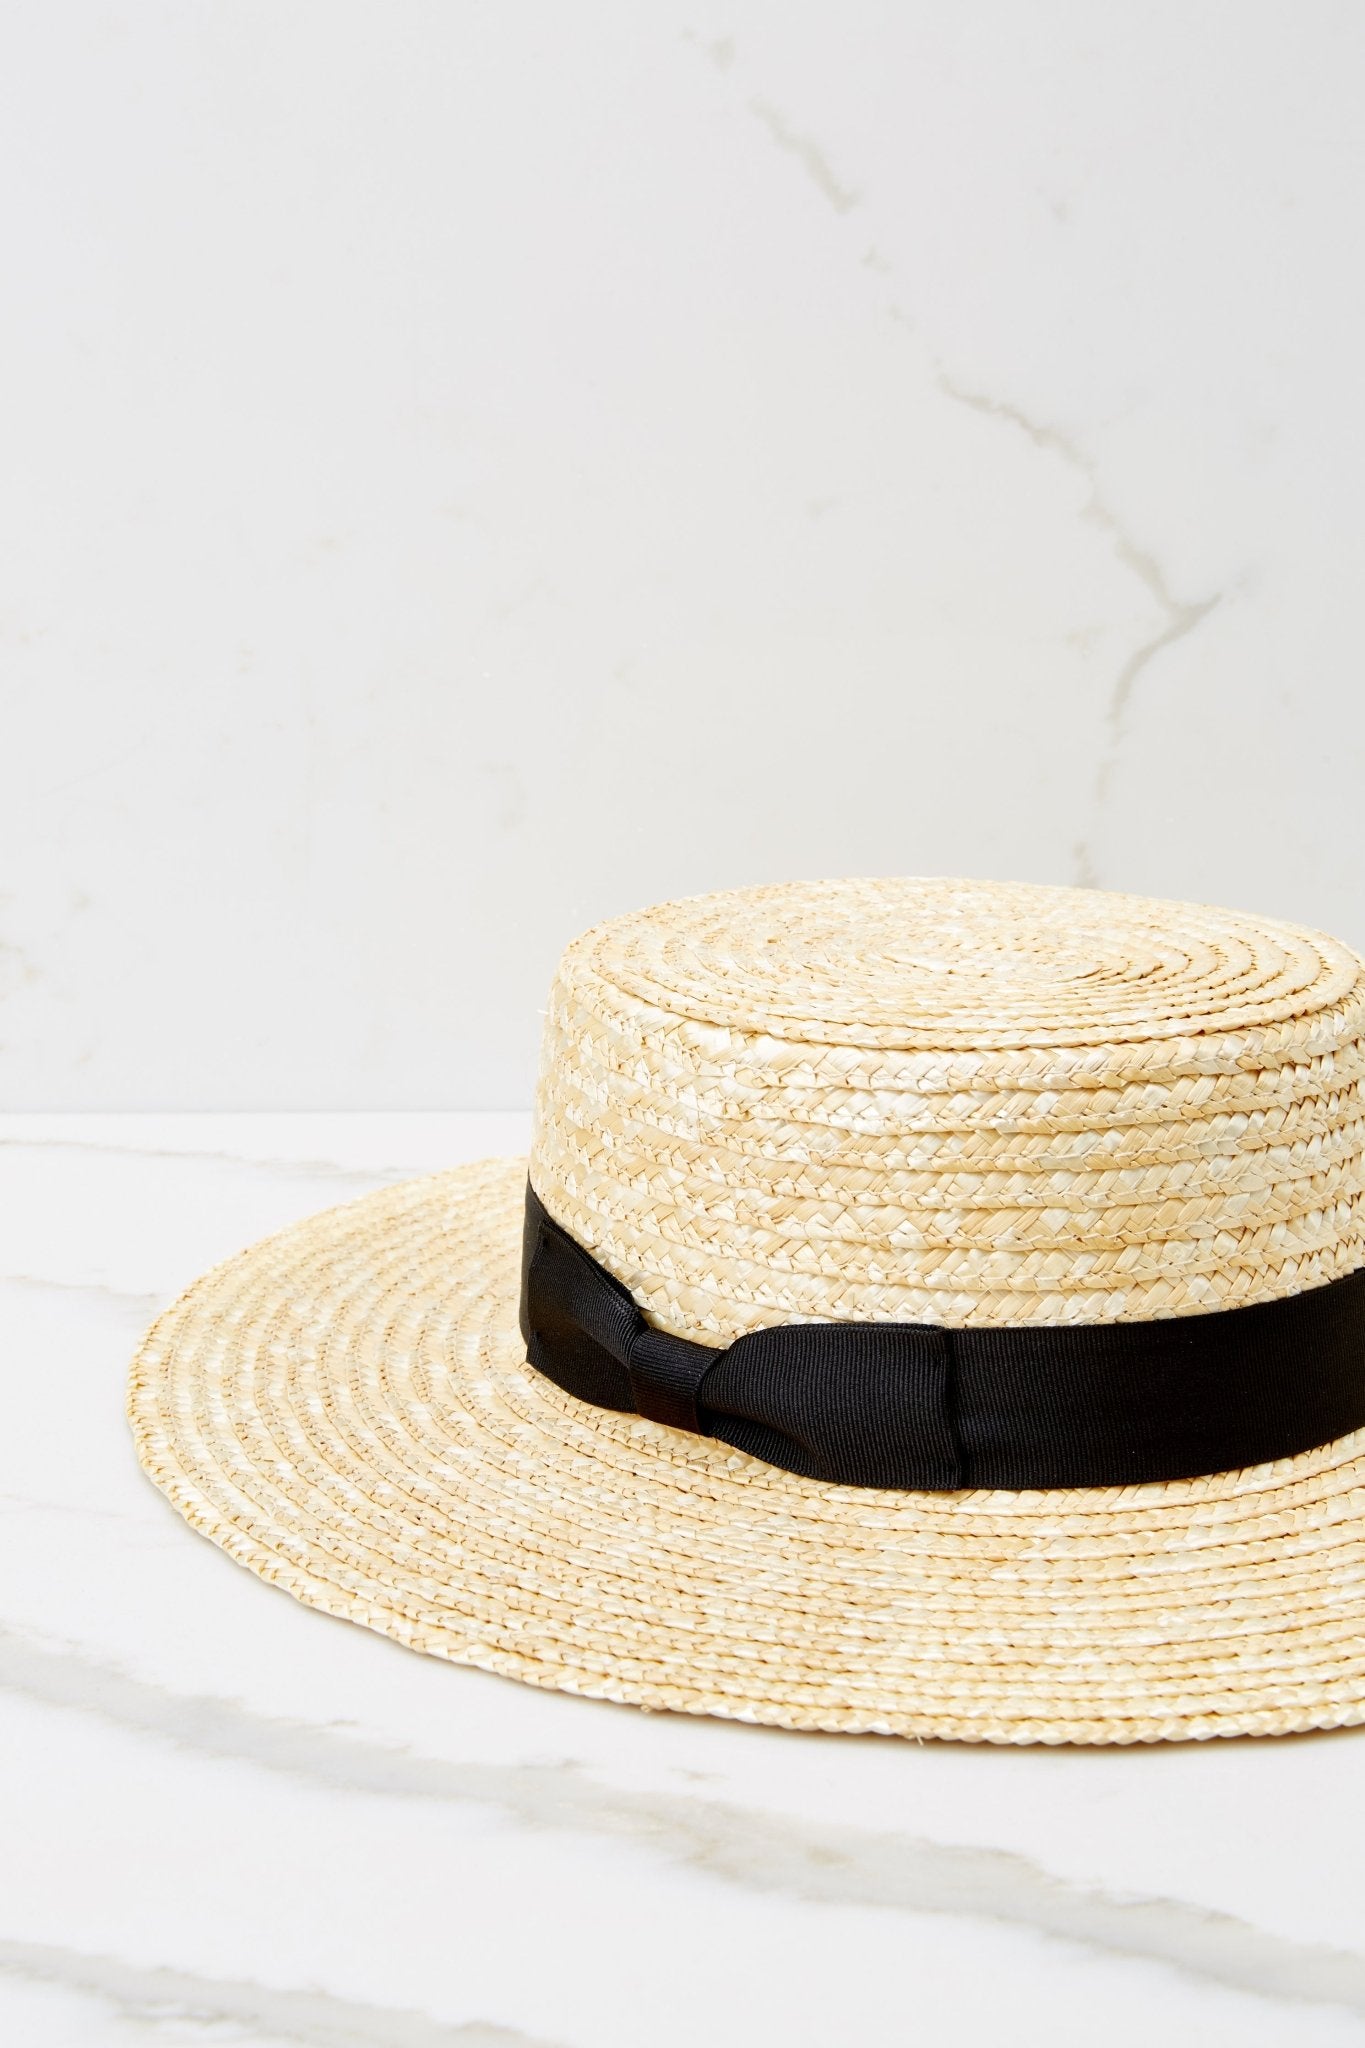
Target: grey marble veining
<point>778,443</point>
<point>819,1865</point>
<point>1177,617</point>
<point>154,1999</point>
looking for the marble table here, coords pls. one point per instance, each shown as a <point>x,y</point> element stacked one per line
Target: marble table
<point>226,1818</point>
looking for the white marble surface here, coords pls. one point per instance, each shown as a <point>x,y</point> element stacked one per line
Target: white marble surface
<point>471,469</point>
<point>227,1818</point>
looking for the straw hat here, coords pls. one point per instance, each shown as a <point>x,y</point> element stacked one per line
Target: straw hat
<point>1104,1152</point>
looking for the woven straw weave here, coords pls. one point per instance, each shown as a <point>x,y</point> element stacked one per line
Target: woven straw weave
<point>863,1099</point>
<point>954,1102</point>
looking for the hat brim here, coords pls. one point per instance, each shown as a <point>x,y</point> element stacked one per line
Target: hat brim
<point>347,1409</point>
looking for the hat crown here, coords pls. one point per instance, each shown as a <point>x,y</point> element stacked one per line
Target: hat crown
<point>955,1101</point>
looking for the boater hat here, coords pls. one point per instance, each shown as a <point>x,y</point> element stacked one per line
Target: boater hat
<point>936,1308</point>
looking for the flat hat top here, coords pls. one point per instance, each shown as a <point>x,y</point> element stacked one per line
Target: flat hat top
<point>935,1100</point>
<point>941,965</point>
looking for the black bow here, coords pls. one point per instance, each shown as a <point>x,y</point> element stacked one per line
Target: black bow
<point>920,1405</point>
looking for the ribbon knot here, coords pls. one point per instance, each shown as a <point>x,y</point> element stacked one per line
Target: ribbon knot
<point>584,1332</point>
<point>823,1399</point>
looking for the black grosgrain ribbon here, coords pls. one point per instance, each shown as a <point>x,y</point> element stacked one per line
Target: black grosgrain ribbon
<point>918,1405</point>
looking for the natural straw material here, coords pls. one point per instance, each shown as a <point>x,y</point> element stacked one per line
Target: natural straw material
<point>910,1101</point>
<point>868,1100</point>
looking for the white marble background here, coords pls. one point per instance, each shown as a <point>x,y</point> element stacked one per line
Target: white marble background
<point>469,469</point>
<point>227,1818</point>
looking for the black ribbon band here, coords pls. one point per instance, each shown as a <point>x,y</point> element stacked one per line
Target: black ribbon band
<point>917,1405</point>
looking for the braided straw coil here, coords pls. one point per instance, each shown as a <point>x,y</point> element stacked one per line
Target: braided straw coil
<point>943,1101</point>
